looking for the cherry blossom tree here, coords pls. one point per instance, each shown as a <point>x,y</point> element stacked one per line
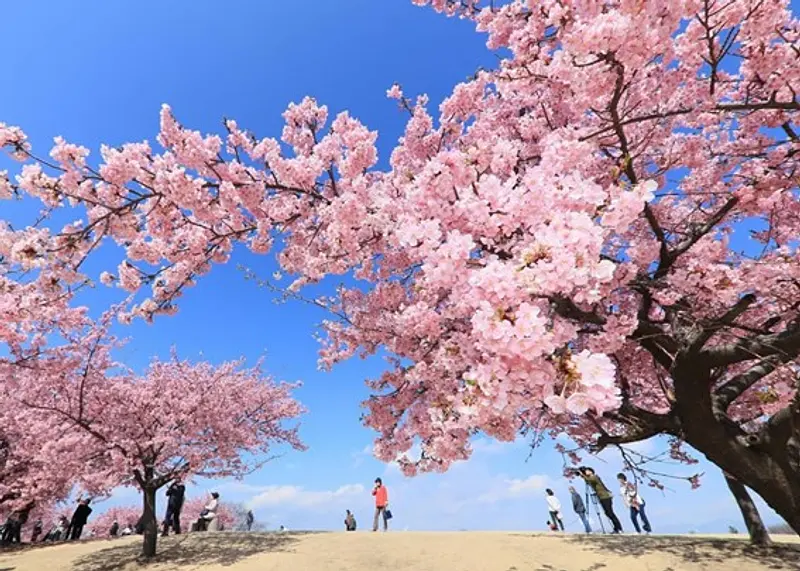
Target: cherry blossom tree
<point>130,515</point>
<point>597,237</point>
<point>226,511</point>
<point>38,458</point>
<point>177,420</point>
<point>127,515</point>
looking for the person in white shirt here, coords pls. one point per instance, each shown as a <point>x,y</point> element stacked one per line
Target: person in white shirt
<point>555,508</point>
<point>634,502</point>
<point>210,513</point>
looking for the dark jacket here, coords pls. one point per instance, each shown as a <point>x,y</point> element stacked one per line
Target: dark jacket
<point>577,503</point>
<point>175,494</point>
<point>81,514</point>
<point>598,486</point>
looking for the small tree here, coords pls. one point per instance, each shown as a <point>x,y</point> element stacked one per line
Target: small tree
<point>178,419</point>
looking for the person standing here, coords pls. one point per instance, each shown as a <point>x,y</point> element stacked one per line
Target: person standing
<point>634,502</point>
<point>249,519</point>
<point>175,495</point>
<point>114,531</point>
<point>38,527</point>
<point>604,495</point>
<point>381,504</point>
<point>554,505</point>
<point>10,528</point>
<point>79,519</point>
<point>580,508</point>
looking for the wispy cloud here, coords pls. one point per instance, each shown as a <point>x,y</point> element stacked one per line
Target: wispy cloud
<point>514,488</point>
<point>299,497</point>
<point>360,455</point>
<point>393,468</point>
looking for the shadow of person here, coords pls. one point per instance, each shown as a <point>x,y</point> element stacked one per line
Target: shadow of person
<point>694,549</point>
<point>191,550</point>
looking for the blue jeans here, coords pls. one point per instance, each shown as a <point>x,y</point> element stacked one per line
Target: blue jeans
<point>585,521</point>
<point>640,512</point>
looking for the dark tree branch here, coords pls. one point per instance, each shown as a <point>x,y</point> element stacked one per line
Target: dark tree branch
<point>734,388</point>
<point>728,318</point>
<point>786,343</point>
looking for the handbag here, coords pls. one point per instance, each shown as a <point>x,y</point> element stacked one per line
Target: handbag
<point>388,514</point>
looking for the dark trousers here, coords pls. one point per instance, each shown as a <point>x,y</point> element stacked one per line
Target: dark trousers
<point>608,509</point>
<point>380,511</point>
<point>639,511</point>
<point>585,521</point>
<point>172,519</point>
<point>556,520</point>
<point>76,529</point>
<point>12,532</point>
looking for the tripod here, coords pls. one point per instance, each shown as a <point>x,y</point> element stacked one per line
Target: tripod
<point>590,494</point>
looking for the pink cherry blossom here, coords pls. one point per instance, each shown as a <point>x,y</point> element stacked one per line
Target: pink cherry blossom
<point>565,245</point>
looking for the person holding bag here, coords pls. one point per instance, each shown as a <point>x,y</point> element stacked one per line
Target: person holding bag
<point>381,505</point>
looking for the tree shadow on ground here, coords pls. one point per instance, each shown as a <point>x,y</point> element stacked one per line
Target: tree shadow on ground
<point>190,551</point>
<point>694,549</point>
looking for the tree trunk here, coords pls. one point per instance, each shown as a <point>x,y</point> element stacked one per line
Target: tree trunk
<point>752,519</point>
<point>149,522</point>
<point>761,462</point>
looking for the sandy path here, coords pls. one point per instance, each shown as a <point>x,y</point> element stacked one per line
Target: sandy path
<point>417,551</point>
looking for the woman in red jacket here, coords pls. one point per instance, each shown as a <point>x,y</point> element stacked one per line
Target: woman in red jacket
<point>381,504</point>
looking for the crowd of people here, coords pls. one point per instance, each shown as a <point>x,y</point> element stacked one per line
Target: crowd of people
<point>599,494</point>
<point>63,528</point>
<point>72,529</point>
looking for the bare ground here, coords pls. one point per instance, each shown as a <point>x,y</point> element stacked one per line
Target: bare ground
<point>417,551</point>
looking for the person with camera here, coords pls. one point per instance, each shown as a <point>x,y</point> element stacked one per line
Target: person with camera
<point>604,495</point>
<point>175,495</point>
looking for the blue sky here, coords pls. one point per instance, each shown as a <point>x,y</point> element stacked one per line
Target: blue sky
<point>101,73</point>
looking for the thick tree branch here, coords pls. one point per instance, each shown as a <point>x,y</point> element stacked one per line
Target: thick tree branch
<point>784,344</point>
<point>730,316</point>
<point>734,388</point>
<point>567,309</point>
<point>764,105</point>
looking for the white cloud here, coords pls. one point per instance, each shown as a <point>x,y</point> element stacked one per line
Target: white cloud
<point>491,446</point>
<point>393,468</point>
<point>535,483</point>
<point>360,455</point>
<point>297,496</point>
<point>514,488</point>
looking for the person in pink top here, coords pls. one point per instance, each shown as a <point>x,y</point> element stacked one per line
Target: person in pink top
<point>381,504</point>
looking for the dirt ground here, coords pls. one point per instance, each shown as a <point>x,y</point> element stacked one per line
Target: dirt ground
<point>407,551</point>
